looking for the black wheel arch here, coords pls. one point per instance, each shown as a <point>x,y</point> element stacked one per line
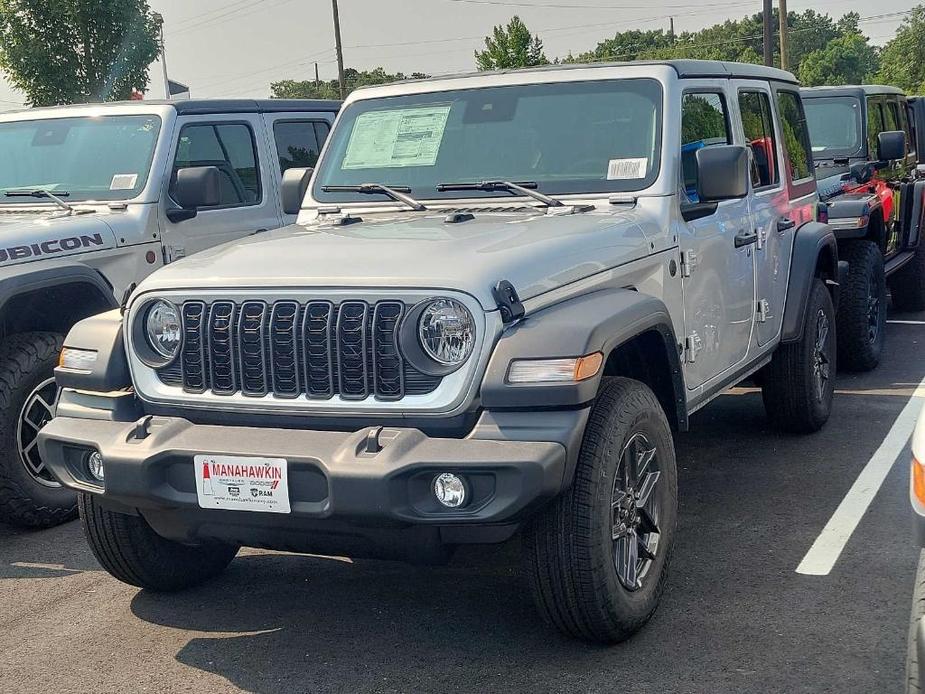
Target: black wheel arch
<point>52,297</point>
<point>815,255</point>
<point>633,331</point>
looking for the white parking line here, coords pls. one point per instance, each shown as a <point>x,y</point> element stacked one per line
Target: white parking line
<point>825,551</point>
<point>907,322</point>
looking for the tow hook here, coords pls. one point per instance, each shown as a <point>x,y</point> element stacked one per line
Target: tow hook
<point>508,301</point>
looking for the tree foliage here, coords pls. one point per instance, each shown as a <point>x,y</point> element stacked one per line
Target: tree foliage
<point>902,60</point>
<point>73,51</point>
<point>330,89</point>
<point>512,46</point>
<point>849,59</point>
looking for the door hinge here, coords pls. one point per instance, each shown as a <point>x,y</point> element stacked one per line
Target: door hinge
<point>692,346</point>
<point>688,262</point>
<point>762,237</point>
<point>763,311</point>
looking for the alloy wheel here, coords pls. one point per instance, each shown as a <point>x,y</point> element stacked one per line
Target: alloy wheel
<point>873,312</point>
<point>822,366</point>
<point>36,413</point>
<point>635,511</point>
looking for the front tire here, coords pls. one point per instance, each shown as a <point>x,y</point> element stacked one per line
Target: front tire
<point>862,308</point>
<point>597,557</point>
<point>29,495</point>
<point>133,553</point>
<point>799,383</point>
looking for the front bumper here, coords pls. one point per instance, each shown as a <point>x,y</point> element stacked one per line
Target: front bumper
<point>336,486</point>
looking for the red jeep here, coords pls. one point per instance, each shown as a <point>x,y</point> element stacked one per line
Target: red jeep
<point>864,147</point>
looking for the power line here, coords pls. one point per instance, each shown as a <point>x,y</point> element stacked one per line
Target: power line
<point>217,10</point>
<point>230,14</point>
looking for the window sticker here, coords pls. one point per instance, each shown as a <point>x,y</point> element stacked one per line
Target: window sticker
<point>399,138</point>
<point>626,169</point>
<point>124,182</point>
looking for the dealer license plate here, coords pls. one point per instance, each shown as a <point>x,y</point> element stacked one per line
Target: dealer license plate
<point>238,483</point>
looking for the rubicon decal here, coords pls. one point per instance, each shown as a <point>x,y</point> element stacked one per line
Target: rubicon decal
<point>51,247</point>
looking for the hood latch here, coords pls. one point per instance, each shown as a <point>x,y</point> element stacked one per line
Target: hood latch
<point>508,302</point>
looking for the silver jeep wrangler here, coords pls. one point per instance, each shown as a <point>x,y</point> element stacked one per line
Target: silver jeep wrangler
<point>503,294</point>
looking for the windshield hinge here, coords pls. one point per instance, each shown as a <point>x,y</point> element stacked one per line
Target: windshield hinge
<point>508,301</point>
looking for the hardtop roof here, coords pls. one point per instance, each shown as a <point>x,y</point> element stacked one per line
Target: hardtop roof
<point>212,106</point>
<point>850,90</point>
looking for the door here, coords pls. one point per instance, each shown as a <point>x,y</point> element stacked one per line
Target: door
<point>248,200</point>
<point>769,204</point>
<point>296,141</point>
<point>718,278</point>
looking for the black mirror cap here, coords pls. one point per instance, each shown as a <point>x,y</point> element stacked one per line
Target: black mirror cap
<point>722,173</point>
<point>295,184</point>
<point>891,145</point>
<point>198,186</point>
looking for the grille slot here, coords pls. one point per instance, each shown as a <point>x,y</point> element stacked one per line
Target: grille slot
<point>291,349</point>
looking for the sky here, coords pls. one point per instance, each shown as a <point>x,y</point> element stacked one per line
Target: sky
<point>228,48</point>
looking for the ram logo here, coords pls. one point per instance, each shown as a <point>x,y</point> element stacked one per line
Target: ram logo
<point>34,250</point>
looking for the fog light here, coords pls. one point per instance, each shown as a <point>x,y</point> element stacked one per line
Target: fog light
<point>449,490</point>
<point>95,466</point>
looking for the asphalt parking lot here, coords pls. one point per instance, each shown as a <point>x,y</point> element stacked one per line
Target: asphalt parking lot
<point>736,615</point>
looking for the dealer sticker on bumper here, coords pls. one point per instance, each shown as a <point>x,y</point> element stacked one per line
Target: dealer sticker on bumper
<point>242,484</point>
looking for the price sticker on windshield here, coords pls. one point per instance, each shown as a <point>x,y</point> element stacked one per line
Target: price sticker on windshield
<point>396,138</point>
<point>124,182</point>
<point>627,169</point>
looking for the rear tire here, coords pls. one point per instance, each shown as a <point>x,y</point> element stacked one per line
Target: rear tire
<point>584,549</point>
<point>29,496</point>
<point>862,308</point>
<point>132,552</point>
<point>908,285</point>
<point>799,383</point>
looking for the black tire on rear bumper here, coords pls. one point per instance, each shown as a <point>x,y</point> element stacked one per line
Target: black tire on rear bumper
<point>132,552</point>
<point>26,361</point>
<point>908,285</point>
<point>862,307</point>
<point>570,546</point>
<point>794,399</point>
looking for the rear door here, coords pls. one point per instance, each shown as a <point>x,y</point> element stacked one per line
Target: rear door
<point>248,196</point>
<point>295,142</point>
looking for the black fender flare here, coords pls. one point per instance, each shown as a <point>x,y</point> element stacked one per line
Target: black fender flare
<point>600,321</point>
<point>813,244</point>
<point>21,279</point>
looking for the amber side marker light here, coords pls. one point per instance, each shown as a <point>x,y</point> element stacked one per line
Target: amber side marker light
<point>918,480</point>
<point>569,370</point>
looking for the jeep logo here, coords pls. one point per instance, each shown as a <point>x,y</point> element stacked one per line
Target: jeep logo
<point>33,250</point>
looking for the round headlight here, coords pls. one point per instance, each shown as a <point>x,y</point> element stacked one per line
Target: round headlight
<point>162,328</point>
<point>447,332</point>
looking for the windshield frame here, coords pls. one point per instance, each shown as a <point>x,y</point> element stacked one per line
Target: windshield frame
<point>831,153</point>
<point>330,156</point>
<point>146,176</point>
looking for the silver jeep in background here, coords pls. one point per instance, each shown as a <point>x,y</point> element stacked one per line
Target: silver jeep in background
<point>503,295</point>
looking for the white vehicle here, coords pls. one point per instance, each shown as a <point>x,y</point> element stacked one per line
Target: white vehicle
<point>93,199</point>
<point>916,648</point>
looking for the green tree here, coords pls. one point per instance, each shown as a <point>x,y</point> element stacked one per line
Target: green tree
<point>511,47</point>
<point>329,89</point>
<point>849,59</point>
<point>902,60</point>
<point>73,51</point>
<point>626,45</point>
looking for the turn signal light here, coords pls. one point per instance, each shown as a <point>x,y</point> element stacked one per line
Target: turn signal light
<point>918,480</point>
<point>569,370</point>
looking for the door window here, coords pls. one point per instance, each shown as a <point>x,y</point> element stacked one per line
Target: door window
<point>795,134</point>
<point>759,135</point>
<point>299,142</point>
<point>875,125</point>
<point>704,123</point>
<point>230,147</point>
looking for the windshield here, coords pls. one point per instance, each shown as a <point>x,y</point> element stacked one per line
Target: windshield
<point>99,158</point>
<point>573,137</point>
<point>834,126</point>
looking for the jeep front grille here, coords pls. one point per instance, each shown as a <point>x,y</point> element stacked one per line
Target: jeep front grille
<point>288,349</point>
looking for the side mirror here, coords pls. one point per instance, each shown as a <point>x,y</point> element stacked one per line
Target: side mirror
<point>722,173</point>
<point>294,187</point>
<point>198,186</point>
<point>891,145</point>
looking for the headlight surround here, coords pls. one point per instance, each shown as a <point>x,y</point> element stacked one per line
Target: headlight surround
<point>158,333</point>
<point>446,331</point>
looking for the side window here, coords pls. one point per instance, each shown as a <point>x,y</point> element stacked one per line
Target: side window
<point>796,135</point>
<point>891,116</point>
<point>299,142</point>
<point>874,125</point>
<point>759,135</point>
<point>704,123</point>
<point>229,147</point>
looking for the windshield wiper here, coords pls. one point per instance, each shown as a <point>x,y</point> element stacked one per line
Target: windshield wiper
<point>527,188</point>
<point>42,194</point>
<point>398,193</point>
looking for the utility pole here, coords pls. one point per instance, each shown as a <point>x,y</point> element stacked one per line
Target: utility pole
<point>671,30</point>
<point>768,34</point>
<point>164,62</point>
<point>317,78</point>
<point>340,52</point>
<point>782,9</point>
